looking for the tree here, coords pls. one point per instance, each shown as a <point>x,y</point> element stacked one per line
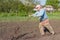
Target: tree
<point>54,3</point>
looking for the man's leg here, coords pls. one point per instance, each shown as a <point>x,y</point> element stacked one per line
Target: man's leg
<point>49,27</point>
<point>41,28</point>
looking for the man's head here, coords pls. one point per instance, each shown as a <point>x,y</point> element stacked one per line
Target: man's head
<point>38,7</point>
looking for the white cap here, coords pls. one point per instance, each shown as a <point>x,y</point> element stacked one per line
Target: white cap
<point>36,8</point>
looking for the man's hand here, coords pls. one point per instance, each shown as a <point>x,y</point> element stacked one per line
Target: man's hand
<point>30,15</point>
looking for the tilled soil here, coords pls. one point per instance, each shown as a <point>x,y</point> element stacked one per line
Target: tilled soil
<point>27,30</point>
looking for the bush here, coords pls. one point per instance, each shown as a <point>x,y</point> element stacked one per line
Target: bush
<point>14,6</point>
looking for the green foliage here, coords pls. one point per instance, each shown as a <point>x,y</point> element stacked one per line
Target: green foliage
<point>8,6</point>
<point>16,8</point>
<point>54,3</point>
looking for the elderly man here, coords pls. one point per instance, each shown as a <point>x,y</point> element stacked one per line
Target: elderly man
<point>44,21</point>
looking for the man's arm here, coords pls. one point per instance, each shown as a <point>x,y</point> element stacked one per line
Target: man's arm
<point>38,14</point>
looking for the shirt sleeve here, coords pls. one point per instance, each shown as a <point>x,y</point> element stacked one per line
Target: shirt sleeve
<point>38,14</point>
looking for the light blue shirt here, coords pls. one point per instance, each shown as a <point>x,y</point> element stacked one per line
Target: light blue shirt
<point>41,14</point>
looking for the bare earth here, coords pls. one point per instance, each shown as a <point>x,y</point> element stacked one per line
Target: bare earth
<point>27,30</point>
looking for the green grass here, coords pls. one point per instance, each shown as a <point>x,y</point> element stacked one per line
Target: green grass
<point>55,15</point>
<point>13,17</point>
